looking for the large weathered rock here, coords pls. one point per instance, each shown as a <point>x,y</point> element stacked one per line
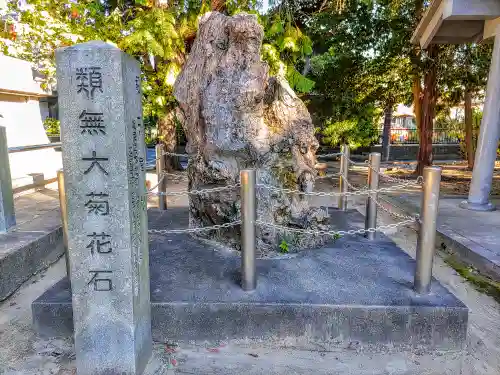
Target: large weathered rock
<point>238,117</point>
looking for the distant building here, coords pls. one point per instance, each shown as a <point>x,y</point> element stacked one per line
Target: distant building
<point>404,118</point>
<point>23,108</point>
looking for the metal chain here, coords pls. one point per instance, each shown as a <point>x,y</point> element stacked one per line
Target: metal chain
<point>349,193</point>
<point>328,176</point>
<point>174,154</point>
<point>194,230</point>
<point>420,179</point>
<point>357,163</point>
<point>336,232</point>
<point>176,176</point>
<point>354,187</point>
<point>328,155</point>
<point>195,192</point>
<point>395,214</point>
<point>159,182</point>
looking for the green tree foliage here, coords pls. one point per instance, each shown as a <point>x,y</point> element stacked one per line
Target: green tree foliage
<point>351,59</point>
<point>463,81</point>
<point>464,68</point>
<point>284,46</point>
<point>348,73</point>
<point>159,37</point>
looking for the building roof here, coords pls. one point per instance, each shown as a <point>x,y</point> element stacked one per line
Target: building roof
<point>455,22</point>
<point>18,78</point>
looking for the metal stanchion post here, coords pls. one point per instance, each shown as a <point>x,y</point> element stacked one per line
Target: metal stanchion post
<point>426,242</point>
<point>64,217</point>
<point>248,218</point>
<point>344,171</point>
<point>371,205</point>
<point>160,168</point>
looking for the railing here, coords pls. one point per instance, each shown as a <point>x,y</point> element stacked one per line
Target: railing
<point>7,216</point>
<point>429,184</point>
<point>408,136</point>
<point>13,150</point>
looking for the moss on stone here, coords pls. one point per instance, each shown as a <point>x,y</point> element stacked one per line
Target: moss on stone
<point>481,282</point>
<point>285,176</point>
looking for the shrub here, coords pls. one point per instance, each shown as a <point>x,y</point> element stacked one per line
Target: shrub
<point>52,126</point>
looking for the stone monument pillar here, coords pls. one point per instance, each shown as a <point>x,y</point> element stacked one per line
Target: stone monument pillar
<point>237,117</point>
<point>103,158</point>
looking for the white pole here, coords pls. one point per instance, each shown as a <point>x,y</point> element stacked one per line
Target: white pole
<point>487,144</point>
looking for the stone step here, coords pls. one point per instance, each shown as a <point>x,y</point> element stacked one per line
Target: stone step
<point>352,290</point>
<point>471,236</point>
<point>28,249</point>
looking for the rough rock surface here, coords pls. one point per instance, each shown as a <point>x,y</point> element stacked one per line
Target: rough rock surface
<point>238,117</point>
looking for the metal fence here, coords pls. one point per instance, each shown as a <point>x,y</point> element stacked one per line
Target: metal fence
<point>408,136</point>
<point>248,184</point>
<point>7,213</point>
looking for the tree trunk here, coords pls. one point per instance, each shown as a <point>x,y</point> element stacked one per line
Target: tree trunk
<point>428,109</point>
<point>168,136</point>
<point>386,135</point>
<point>417,100</point>
<point>469,139</point>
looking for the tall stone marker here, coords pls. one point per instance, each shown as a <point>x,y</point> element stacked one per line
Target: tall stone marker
<point>103,158</point>
<point>7,216</point>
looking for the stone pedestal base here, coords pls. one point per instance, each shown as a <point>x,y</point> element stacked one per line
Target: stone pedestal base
<point>350,290</point>
<point>477,206</point>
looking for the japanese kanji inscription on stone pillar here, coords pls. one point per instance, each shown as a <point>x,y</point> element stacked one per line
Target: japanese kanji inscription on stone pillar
<point>103,158</point>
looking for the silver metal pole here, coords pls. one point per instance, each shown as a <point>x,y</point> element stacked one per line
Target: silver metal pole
<point>426,242</point>
<point>160,168</point>
<point>64,217</point>
<point>344,172</point>
<point>248,218</point>
<point>371,205</point>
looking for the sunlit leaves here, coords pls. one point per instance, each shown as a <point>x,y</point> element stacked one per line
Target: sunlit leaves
<point>298,81</point>
<point>276,28</point>
<point>284,47</point>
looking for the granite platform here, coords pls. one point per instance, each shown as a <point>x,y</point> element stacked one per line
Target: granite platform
<point>349,290</point>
